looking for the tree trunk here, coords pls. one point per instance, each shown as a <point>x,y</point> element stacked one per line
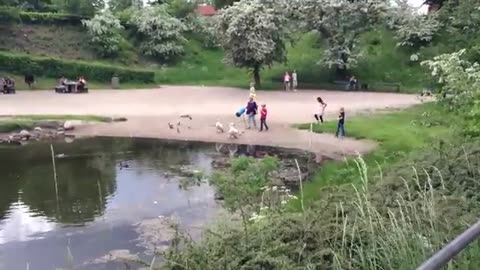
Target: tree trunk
<point>256,75</point>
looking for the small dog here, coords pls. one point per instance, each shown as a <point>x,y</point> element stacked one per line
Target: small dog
<point>219,127</point>
<point>233,133</point>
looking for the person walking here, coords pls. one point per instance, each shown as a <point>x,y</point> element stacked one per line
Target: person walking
<point>286,81</point>
<point>294,81</point>
<point>252,90</point>
<point>341,124</point>
<point>263,118</point>
<point>251,112</point>
<point>321,112</point>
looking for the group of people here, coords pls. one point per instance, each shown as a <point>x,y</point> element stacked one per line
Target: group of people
<point>290,81</point>
<point>251,110</point>
<point>79,84</point>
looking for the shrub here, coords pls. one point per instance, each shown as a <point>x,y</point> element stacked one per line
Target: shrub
<point>50,18</point>
<point>54,67</point>
<point>9,14</point>
<point>161,34</point>
<point>104,31</point>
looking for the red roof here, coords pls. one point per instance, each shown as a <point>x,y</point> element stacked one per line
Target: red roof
<point>205,10</point>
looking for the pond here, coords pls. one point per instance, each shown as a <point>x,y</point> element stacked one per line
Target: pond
<point>110,195</point>
<point>113,199</point>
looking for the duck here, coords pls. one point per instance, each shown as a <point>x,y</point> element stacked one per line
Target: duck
<point>123,165</point>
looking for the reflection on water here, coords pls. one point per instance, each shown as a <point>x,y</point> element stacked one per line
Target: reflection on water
<point>106,188</point>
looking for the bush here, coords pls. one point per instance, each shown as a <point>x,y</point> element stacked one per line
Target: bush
<point>55,68</point>
<point>50,18</point>
<point>104,31</point>
<point>9,14</point>
<point>161,34</point>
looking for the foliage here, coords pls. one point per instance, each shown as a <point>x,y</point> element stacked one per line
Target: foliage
<point>242,184</point>
<point>50,18</point>
<point>460,83</point>
<point>340,24</point>
<point>252,33</point>
<point>412,29</point>
<point>161,34</point>
<point>181,8</point>
<point>204,30</point>
<point>9,14</point>
<point>121,5</point>
<point>53,67</point>
<point>223,3</point>
<point>104,31</point>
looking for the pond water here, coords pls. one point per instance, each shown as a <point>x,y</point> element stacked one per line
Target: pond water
<point>110,194</point>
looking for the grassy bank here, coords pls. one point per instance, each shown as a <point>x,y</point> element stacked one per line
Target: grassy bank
<point>28,122</point>
<point>400,134</point>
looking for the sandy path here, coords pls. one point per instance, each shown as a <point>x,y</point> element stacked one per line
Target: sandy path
<point>149,111</point>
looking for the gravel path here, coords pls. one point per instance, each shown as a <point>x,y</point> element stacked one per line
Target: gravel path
<point>150,111</point>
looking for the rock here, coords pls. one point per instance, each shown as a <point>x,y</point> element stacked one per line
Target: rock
<point>69,139</point>
<point>119,119</point>
<point>24,133</point>
<point>60,133</point>
<point>68,125</point>
<point>38,129</point>
<point>71,124</point>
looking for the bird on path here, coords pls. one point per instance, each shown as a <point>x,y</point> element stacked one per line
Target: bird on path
<point>170,125</point>
<point>186,116</point>
<point>219,127</point>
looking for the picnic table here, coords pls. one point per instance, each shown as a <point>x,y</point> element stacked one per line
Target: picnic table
<point>70,87</point>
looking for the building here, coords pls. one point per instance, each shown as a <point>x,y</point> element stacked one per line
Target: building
<point>205,10</point>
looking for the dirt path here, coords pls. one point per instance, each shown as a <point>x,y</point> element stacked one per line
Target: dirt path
<point>150,111</point>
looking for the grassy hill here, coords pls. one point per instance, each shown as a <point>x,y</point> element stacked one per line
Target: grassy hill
<point>382,61</point>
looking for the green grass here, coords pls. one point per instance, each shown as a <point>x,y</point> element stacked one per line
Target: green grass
<point>28,122</point>
<point>399,134</point>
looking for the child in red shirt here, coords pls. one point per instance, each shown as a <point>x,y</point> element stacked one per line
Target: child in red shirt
<point>263,117</point>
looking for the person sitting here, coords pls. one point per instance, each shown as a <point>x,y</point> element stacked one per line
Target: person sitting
<point>9,85</point>
<point>352,83</point>
<point>62,85</point>
<point>81,83</point>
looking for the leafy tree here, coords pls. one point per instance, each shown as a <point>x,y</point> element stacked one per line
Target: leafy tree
<point>104,31</point>
<point>223,3</point>
<point>161,34</point>
<point>121,5</point>
<point>412,29</point>
<point>252,33</point>
<point>340,23</point>
<point>80,7</point>
<point>460,84</point>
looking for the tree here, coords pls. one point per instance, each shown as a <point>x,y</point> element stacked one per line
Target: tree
<point>252,33</point>
<point>412,29</point>
<point>80,7</point>
<point>121,5</point>
<point>223,3</point>
<point>104,31</point>
<point>340,23</point>
<point>161,34</point>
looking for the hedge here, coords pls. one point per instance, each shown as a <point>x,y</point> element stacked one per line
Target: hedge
<point>56,68</point>
<point>15,15</point>
<point>50,18</point>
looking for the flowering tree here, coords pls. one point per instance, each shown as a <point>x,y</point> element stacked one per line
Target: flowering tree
<point>252,33</point>
<point>340,24</point>
<point>161,34</point>
<point>104,31</point>
<point>460,84</point>
<point>411,28</point>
